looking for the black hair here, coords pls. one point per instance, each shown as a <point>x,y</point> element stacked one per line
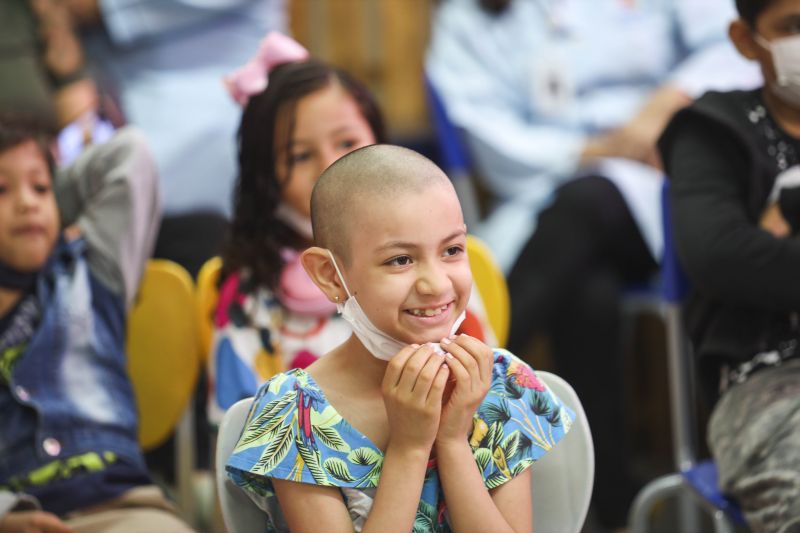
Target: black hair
<point>750,10</point>
<point>19,128</point>
<point>256,234</point>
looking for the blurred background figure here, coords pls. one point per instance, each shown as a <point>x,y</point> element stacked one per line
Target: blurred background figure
<point>163,63</point>
<point>734,167</point>
<point>561,103</point>
<point>43,74</point>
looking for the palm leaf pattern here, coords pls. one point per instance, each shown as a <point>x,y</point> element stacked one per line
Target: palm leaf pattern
<point>294,433</point>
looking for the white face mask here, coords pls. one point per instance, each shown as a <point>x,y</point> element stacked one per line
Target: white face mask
<point>374,340</point>
<point>295,220</point>
<point>786,58</point>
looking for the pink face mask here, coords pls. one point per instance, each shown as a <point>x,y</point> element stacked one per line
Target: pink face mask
<point>297,291</point>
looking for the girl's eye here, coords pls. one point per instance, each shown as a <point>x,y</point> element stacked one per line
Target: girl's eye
<point>41,188</point>
<point>300,157</point>
<point>347,144</point>
<point>453,250</point>
<point>402,260</point>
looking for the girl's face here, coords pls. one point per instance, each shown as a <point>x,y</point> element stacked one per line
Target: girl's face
<point>409,267</point>
<point>328,125</point>
<point>28,213</point>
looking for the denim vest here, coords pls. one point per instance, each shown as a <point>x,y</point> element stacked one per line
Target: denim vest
<point>69,392</point>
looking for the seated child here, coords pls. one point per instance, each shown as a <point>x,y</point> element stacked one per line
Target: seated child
<point>734,163</point>
<point>68,422</point>
<point>270,316</point>
<point>384,432</point>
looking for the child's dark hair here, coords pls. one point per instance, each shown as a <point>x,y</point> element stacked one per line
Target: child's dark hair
<point>256,235</point>
<point>16,129</point>
<point>749,10</point>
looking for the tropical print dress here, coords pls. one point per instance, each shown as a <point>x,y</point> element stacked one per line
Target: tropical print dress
<point>293,433</point>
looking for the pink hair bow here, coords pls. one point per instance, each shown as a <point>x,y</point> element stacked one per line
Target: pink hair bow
<point>252,77</point>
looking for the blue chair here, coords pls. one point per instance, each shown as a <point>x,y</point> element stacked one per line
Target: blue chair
<point>453,155</point>
<point>699,477</point>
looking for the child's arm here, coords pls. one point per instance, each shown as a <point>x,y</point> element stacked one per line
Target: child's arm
<point>111,192</point>
<point>471,506</point>
<point>412,390</point>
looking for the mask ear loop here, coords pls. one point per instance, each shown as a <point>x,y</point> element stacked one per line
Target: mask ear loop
<point>339,273</point>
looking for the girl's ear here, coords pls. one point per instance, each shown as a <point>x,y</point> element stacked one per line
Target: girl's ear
<point>318,264</point>
<point>742,37</point>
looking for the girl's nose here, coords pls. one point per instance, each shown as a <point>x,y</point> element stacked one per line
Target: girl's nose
<point>433,280</point>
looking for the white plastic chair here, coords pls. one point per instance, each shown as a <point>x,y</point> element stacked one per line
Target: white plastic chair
<point>563,479</point>
<point>239,512</point>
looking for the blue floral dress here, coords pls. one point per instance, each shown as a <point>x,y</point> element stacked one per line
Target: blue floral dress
<point>293,433</point>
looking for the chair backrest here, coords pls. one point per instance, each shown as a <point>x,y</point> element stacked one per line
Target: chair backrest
<point>675,286</point>
<point>207,294</point>
<point>453,155</point>
<point>491,286</point>
<point>562,480</point>
<point>162,348</point>
<point>239,512</point>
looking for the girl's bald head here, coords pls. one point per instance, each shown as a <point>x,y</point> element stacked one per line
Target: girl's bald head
<point>377,173</point>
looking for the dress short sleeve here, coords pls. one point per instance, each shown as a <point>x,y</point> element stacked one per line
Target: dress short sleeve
<point>518,422</point>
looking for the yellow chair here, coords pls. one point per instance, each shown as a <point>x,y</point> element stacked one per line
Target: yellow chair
<point>164,362</point>
<point>491,286</point>
<point>207,294</point>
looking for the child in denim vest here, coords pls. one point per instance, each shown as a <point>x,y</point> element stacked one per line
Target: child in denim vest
<point>69,454</point>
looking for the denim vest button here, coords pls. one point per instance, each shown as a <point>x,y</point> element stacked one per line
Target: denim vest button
<point>22,393</point>
<point>51,446</point>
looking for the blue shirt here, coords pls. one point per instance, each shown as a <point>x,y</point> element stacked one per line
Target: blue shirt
<point>165,61</point>
<point>531,85</point>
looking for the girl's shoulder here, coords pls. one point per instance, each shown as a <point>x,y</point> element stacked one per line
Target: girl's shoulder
<point>508,368</point>
<point>519,421</point>
<point>292,423</point>
<point>288,382</point>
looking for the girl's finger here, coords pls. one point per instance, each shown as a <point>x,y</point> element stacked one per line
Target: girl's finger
<point>427,375</point>
<point>466,359</point>
<point>458,370</point>
<point>395,367</point>
<point>437,388</point>
<point>413,366</point>
<point>482,354</point>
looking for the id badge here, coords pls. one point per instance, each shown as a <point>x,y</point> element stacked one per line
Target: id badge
<point>552,83</point>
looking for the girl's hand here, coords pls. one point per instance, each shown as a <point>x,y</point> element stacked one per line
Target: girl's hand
<point>470,362</point>
<point>412,392</point>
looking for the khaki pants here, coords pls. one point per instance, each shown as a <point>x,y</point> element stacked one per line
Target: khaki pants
<point>140,509</point>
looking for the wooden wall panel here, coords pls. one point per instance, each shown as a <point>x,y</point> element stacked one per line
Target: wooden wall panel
<point>381,42</point>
